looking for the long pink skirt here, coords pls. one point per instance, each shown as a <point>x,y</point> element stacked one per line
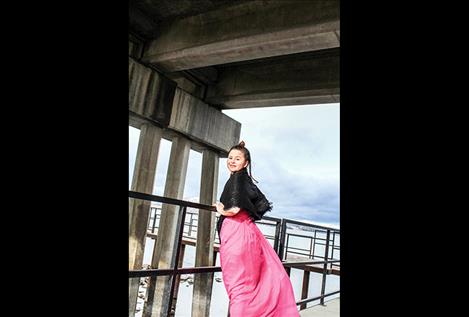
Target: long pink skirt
<point>254,277</point>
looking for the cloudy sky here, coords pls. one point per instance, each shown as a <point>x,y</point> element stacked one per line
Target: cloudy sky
<point>295,158</point>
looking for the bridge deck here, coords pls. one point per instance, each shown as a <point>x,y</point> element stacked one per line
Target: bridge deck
<point>330,309</point>
<point>317,268</point>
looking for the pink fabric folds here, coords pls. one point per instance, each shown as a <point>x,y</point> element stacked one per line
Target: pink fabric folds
<point>254,277</point>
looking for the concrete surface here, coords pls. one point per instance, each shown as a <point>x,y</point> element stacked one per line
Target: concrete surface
<point>330,309</point>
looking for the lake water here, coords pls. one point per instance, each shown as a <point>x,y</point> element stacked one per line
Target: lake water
<point>219,301</point>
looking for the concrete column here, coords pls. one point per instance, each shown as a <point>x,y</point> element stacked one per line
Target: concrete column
<point>142,181</point>
<point>165,250</point>
<point>203,283</point>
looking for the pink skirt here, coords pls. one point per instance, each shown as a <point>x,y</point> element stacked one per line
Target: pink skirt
<point>254,277</point>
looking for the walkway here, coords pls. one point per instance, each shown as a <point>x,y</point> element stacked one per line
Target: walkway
<point>330,309</point>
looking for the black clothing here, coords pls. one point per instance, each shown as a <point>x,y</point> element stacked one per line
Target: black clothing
<point>240,191</point>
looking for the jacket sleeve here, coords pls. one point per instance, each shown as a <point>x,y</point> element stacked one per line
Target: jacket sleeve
<point>236,191</point>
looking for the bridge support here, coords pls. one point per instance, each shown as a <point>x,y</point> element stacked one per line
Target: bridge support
<point>164,254</point>
<point>142,181</point>
<point>203,283</point>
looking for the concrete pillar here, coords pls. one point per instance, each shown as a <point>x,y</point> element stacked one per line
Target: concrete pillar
<point>142,181</point>
<point>203,282</point>
<point>165,249</point>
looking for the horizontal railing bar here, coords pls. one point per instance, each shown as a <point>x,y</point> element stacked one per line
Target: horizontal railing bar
<point>307,300</point>
<point>311,225</point>
<point>307,262</point>
<point>278,220</point>
<point>306,236</point>
<point>316,256</point>
<point>312,238</point>
<point>260,222</point>
<point>299,249</point>
<point>171,201</point>
<point>159,272</point>
<point>295,248</point>
<point>205,269</point>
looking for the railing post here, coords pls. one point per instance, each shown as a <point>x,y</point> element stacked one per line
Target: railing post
<point>333,244</point>
<point>176,260</point>
<point>324,272</point>
<point>276,237</point>
<point>305,288</point>
<point>282,238</point>
<point>154,221</point>
<point>214,263</point>
<point>178,277</point>
<point>314,244</point>
<point>310,247</point>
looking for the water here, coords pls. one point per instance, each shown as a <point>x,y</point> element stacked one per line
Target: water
<point>219,302</point>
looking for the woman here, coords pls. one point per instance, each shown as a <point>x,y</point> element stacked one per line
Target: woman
<point>254,277</point>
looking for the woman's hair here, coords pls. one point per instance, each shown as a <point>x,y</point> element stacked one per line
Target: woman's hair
<point>247,156</point>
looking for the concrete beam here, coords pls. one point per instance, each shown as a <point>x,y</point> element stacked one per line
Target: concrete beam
<point>246,31</point>
<point>204,253</point>
<point>190,86</point>
<point>155,98</point>
<point>150,94</point>
<point>203,123</point>
<point>294,80</point>
<point>135,46</point>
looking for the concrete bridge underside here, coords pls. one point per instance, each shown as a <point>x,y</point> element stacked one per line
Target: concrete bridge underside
<point>190,59</point>
<point>242,54</point>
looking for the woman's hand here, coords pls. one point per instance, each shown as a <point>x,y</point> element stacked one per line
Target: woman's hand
<point>219,207</point>
<point>221,210</point>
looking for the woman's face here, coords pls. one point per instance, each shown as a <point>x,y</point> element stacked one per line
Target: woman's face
<point>236,161</point>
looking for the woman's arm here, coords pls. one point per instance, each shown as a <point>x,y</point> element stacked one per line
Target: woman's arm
<point>230,212</point>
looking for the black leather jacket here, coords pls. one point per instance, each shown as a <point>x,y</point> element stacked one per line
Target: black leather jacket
<point>240,191</point>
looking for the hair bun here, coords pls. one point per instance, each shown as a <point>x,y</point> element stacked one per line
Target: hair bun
<point>242,143</point>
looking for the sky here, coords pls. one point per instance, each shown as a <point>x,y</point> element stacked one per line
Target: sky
<point>295,158</point>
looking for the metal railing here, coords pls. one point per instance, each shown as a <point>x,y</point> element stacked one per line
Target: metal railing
<point>191,225</point>
<point>190,231</point>
<point>320,236</point>
<point>279,246</point>
<point>330,244</point>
